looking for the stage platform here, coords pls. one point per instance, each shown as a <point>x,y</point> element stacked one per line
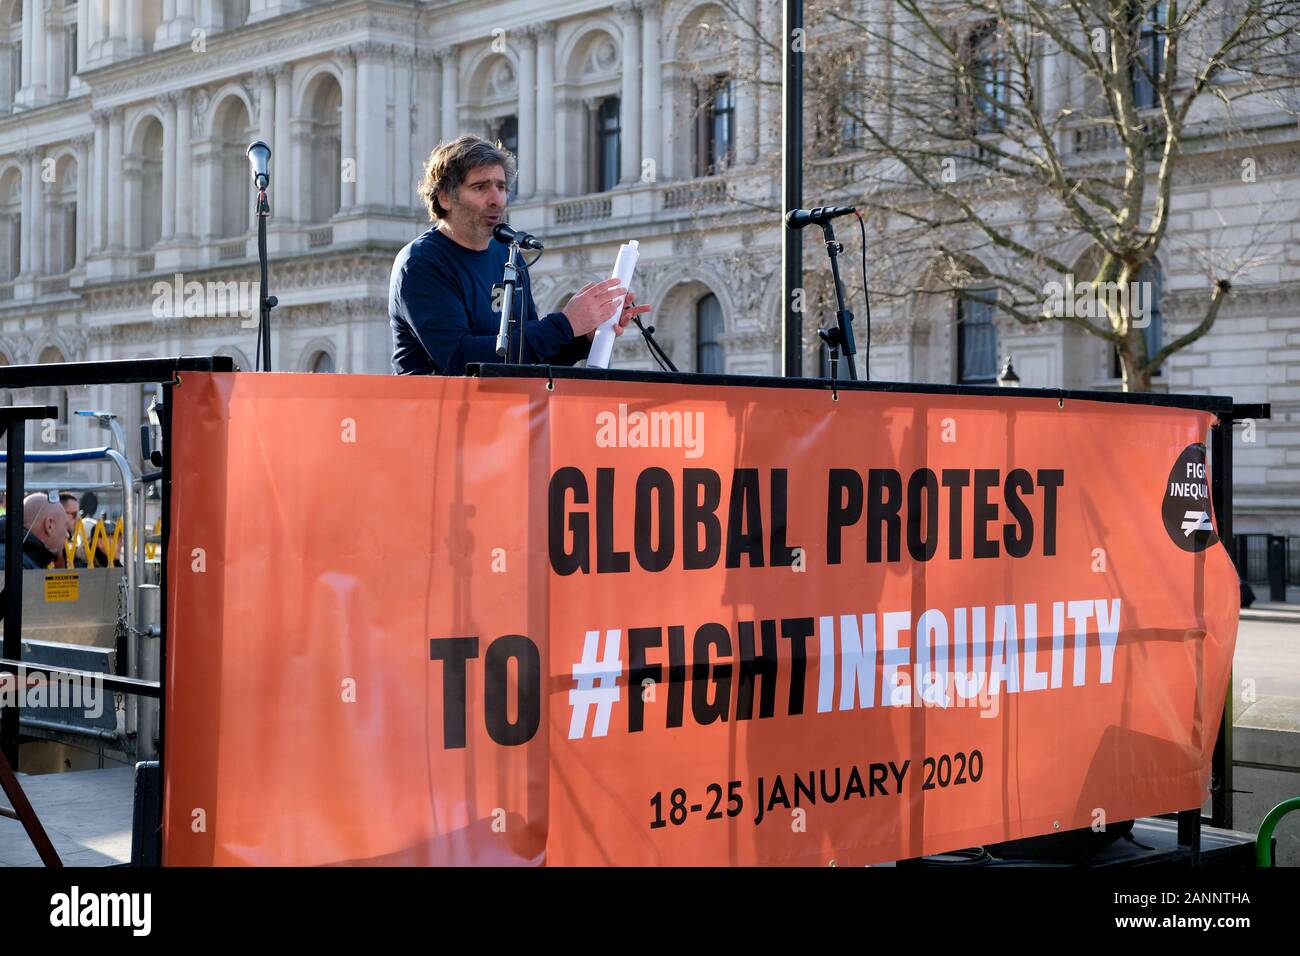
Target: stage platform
<point>87,814</point>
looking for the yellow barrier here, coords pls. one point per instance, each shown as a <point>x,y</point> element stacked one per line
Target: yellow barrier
<point>151,549</point>
<point>100,536</point>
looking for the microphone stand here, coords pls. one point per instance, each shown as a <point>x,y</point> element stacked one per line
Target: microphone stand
<point>656,352</point>
<point>839,338</point>
<point>509,281</point>
<point>268,302</point>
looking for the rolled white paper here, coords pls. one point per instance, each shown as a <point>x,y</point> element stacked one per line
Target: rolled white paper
<point>602,345</point>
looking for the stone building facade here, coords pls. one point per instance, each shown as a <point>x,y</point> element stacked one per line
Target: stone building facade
<point>123,178</point>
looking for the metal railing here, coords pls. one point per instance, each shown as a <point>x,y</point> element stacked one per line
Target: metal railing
<point>584,210</point>
<point>699,192</point>
<point>64,375</point>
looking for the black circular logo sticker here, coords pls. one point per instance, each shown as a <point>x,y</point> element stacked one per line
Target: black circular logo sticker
<point>1186,508</point>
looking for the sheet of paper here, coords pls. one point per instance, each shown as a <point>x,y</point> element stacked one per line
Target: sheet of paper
<point>602,345</point>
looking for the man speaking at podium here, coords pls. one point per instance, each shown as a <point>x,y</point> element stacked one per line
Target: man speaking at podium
<point>440,295</point>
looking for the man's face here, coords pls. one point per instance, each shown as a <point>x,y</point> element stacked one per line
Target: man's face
<point>70,508</point>
<point>478,204</point>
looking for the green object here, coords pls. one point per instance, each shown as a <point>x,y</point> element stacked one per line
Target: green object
<point>1264,842</point>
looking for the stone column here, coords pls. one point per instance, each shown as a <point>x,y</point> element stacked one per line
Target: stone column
<point>403,180</point>
<point>207,168</point>
<point>429,103</point>
<point>299,191</point>
<point>747,89</point>
<point>769,71</point>
<point>651,83</point>
<point>545,150</point>
<point>371,130</point>
<point>84,19</point>
<point>132,202</point>
<point>164,36</point>
<point>35,222</point>
<point>82,144</point>
<point>208,15</point>
<point>902,33</point>
<point>25,69</point>
<point>167,102</point>
<point>114,45</point>
<point>450,58</point>
<point>265,9</point>
<point>283,152</point>
<point>179,28</point>
<point>97,27</point>
<point>185,192</point>
<point>99,184</point>
<point>528,114</point>
<point>670,92</point>
<point>264,77</point>
<point>630,100</point>
<point>116,220</point>
<point>349,132</point>
<point>1055,82</point>
<point>134,25</point>
<point>40,53</point>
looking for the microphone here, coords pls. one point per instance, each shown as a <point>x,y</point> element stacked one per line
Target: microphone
<point>259,158</point>
<point>798,218</point>
<point>502,233</point>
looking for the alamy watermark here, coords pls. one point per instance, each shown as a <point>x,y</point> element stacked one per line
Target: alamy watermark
<point>1094,300</point>
<point>655,429</point>
<point>34,689</point>
<point>180,299</point>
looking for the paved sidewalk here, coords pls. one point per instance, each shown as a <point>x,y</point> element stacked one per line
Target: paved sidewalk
<point>1266,721</point>
<point>87,814</point>
<point>1266,669</point>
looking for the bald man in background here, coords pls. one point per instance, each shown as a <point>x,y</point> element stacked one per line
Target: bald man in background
<point>45,526</point>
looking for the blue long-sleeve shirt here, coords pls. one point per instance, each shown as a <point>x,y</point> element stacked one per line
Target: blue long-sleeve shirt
<point>441,314</point>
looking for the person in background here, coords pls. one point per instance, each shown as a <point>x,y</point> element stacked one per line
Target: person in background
<point>89,507</point>
<point>46,528</point>
<point>68,501</point>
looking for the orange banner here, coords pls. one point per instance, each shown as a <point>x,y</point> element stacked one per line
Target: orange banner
<point>460,621</point>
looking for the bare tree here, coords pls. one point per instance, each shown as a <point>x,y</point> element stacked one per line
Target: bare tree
<point>992,135</point>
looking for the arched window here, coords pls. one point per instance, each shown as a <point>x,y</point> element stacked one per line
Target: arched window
<point>977,338</point>
<point>608,144</point>
<point>234,133</point>
<point>327,150</point>
<point>709,357</point>
<point>151,164</point>
<point>506,133</point>
<point>322,363</point>
<point>989,93</point>
<point>1148,291</point>
<point>1149,55</point>
<point>715,126</point>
